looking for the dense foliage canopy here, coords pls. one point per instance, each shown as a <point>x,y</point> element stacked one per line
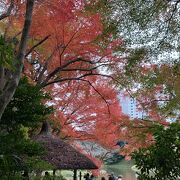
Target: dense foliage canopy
<point>151,74</point>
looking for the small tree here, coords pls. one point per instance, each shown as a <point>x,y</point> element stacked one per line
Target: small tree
<point>161,160</point>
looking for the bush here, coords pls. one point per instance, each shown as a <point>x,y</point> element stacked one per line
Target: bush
<point>160,161</point>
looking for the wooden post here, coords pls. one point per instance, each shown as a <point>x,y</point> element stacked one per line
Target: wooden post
<point>80,175</point>
<point>75,174</point>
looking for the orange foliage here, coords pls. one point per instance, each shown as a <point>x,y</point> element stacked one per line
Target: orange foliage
<point>68,64</point>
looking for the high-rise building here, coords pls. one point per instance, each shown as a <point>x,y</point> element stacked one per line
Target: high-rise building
<point>129,107</point>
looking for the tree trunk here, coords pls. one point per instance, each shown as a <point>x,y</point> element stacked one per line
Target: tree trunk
<point>7,93</point>
<point>75,174</point>
<point>54,174</point>
<point>25,175</point>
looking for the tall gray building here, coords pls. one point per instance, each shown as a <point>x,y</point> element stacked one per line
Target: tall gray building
<point>129,107</point>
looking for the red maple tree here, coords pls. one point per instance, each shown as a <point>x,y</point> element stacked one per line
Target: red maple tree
<point>69,56</point>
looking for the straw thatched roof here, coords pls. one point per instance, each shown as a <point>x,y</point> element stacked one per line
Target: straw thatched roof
<point>60,154</point>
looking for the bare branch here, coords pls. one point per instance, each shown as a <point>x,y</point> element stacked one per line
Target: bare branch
<point>58,69</point>
<point>36,45</point>
<point>168,21</point>
<point>84,69</point>
<point>39,78</point>
<point>44,84</point>
<point>98,93</point>
<point>70,40</point>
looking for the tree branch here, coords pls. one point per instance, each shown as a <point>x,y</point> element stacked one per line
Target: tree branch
<point>80,79</point>
<point>58,69</point>
<point>40,76</point>
<point>74,78</point>
<point>1,78</point>
<point>65,47</point>
<point>8,12</point>
<point>168,21</point>
<point>97,93</point>
<point>83,69</point>
<point>7,94</point>
<point>36,45</point>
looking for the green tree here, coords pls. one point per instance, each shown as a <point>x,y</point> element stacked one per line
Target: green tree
<point>6,53</point>
<point>19,121</point>
<point>154,25</point>
<point>150,72</point>
<point>160,161</point>
<point>26,107</point>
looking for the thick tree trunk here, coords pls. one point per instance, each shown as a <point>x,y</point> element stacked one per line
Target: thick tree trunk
<point>46,129</point>
<point>7,93</point>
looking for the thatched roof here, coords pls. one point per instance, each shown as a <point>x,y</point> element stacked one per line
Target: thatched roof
<point>60,154</point>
